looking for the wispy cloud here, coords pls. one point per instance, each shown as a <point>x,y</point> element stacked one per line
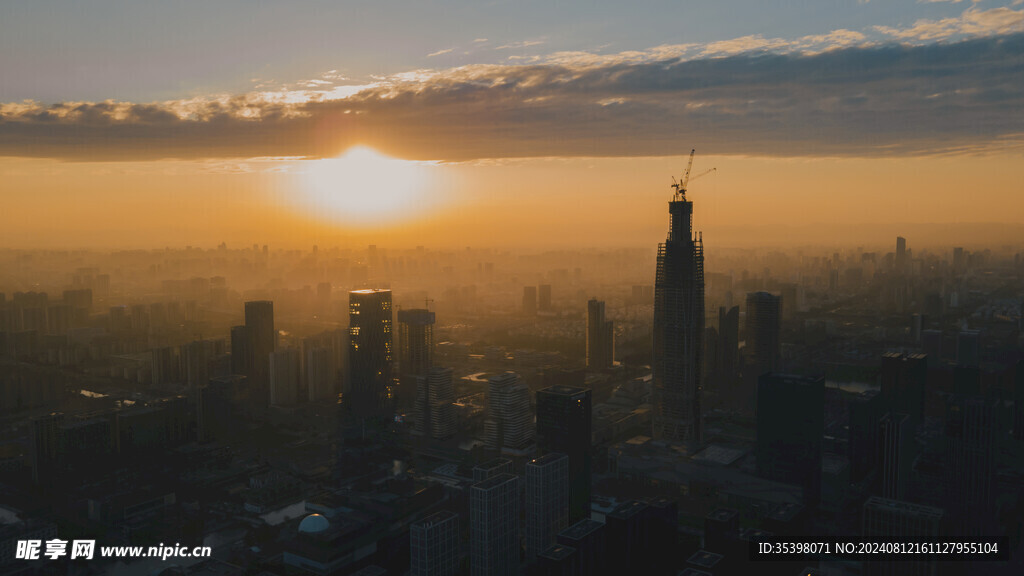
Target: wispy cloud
<point>841,93</point>
<point>521,44</point>
<point>440,52</point>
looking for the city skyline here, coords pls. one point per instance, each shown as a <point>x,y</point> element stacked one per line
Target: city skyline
<point>862,118</point>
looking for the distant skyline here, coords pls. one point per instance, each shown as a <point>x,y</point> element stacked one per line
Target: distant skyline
<point>144,123</point>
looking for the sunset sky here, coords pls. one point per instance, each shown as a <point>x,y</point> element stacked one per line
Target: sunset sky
<point>537,124</point>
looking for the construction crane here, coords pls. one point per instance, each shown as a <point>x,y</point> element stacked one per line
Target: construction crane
<point>680,187</point>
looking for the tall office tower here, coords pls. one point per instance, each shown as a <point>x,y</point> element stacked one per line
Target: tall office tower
<point>195,362</point>
<point>284,377</point>
<point>678,327</point>
<point>728,343</point>
<point>529,300</point>
<point>259,319</point>
<point>243,351</point>
<point>165,366</point>
<point>547,501</point>
<point>564,426</point>
<point>896,435</point>
<point>968,348</point>
<point>441,398</point>
<point>415,351</point>
<point>434,408</point>
<point>587,537</point>
<point>544,298</point>
<point>790,425</point>
<point>903,379</point>
<point>901,254</point>
<point>764,348</point>
<point>494,526</point>
<point>491,468</point>
<point>893,520</point>
<point>320,374</point>
<point>370,353</point>
<point>866,412</point>
<point>974,429</point>
<point>509,423</point>
<point>434,545</point>
<point>600,337</point>
<point>45,445</point>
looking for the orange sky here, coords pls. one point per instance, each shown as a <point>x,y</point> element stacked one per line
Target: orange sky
<point>532,203</point>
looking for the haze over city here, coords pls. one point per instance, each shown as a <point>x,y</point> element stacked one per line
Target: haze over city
<point>455,288</point>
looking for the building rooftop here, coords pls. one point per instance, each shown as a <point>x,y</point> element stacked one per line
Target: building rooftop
<point>494,481</point>
<point>557,552</point>
<point>581,529</point>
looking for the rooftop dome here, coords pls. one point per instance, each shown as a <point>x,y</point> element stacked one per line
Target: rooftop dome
<point>313,524</point>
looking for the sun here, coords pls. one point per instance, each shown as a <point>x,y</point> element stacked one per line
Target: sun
<point>365,187</point>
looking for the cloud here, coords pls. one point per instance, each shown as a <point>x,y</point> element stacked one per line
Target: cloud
<point>972,23</point>
<point>859,100</point>
<point>522,44</point>
<point>440,52</point>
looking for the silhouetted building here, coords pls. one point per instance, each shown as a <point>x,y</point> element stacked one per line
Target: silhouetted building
<point>370,354</point>
<point>320,374</point>
<point>434,545</point>
<point>564,425</point>
<point>903,379</point>
<point>790,425</point>
<point>494,526</point>
<point>259,319</point>
<point>508,424</point>
<point>600,337</point>
<point>974,428</point>
<point>435,411</point>
<point>764,332</point>
<point>895,435</point>
<point>901,254</point>
<point>728,344</point>
<point>865,412</point>
<point>547,501</point>
<point>529,300</point>
<point>678,328</point>
<point>243,351</point>
<point>284,377</point>
<point>544,298</point>
<point>415,350</point>
<point>968,348</point>
<point>893,520</point>
<point>588,538</point>
<point>491,468</point>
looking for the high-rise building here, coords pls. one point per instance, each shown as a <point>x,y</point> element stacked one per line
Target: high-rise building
<point>547,501</point>
<point>243,352</point>
<point>903,379</point>
<point>887,519</point>
<point>259,319</point>
<point>728,344</point>
<point>790,425</point>
<point>284,377</point>
<point>974,430</point>
<point>491,468</point>
<point>434,545</point>
<point>529,300</point>
<point>544,298</point>
<point>678,328</point>
<point>896,435</point>
<point>600,337</point>
<point>564,426</point>
<point>587,537</point>
<point>509,423</point>
<point>45,444</point>
<point>370,353</point>
<point>494,526</point>
<point>320,374</point>
<point>435,409</point>
<point>415,350</point>
<point>866,412</point>
<point>901,254</point>
<point>968,348</point>
<point>764,348</point>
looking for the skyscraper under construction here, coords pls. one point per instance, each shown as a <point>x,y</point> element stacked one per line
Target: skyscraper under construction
<point>679,324</point>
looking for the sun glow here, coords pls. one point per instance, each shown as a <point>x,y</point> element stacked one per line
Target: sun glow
<point>365,187</point>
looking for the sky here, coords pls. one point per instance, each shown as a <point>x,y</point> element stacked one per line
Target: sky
<point>536,124</point>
